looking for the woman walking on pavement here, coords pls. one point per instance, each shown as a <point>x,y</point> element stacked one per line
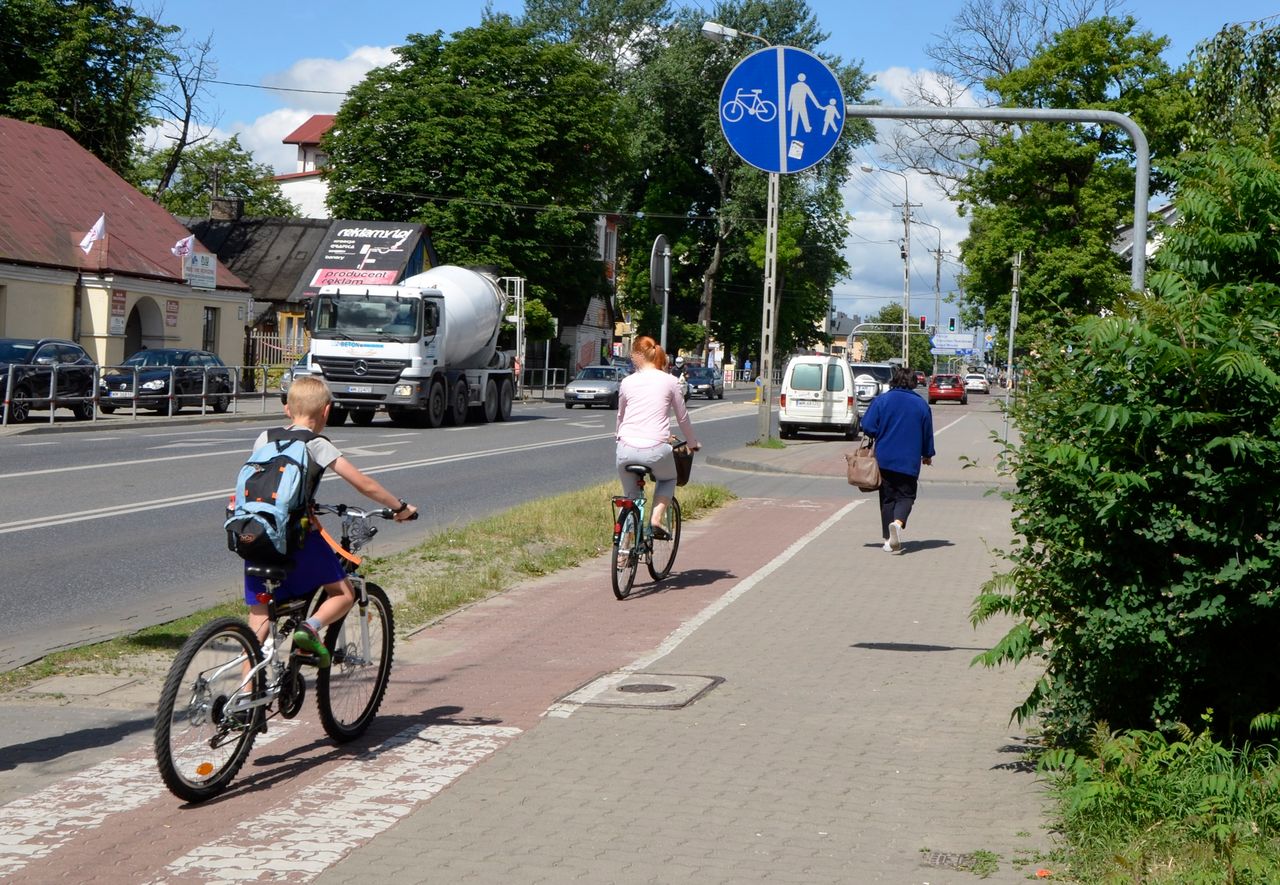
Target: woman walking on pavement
<point>645,400</point>
<point>901,424</point>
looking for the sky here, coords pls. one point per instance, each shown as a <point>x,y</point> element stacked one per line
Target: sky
<point>276,52</point>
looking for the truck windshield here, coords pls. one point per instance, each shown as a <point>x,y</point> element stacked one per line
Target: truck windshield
<point>361,316</point>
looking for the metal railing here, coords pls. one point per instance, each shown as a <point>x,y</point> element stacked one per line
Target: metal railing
<point>542,382</point>
<point>26,386</point>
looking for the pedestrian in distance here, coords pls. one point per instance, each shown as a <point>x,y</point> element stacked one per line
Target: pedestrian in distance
<point>902,426</point>
<point>646,399</point>
<point>315,564</point>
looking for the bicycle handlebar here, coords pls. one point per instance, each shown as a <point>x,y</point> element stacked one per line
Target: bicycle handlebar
<point>358,512</point>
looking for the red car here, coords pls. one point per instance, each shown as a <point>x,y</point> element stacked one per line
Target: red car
<point>948,387</point>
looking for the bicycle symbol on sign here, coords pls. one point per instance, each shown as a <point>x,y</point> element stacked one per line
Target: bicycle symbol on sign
<point>748,101</point>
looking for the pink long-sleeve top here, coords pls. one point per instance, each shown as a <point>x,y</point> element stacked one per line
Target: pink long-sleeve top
<point>645,401</point>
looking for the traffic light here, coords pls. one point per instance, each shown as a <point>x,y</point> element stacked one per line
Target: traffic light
<point>922,319</point>
<point>951,324</point>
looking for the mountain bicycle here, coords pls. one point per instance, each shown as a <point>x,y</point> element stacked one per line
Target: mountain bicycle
<point>224,686</point>
<point>633,540</point>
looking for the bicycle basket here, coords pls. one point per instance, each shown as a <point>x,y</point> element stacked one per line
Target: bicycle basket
<point>684,463</point>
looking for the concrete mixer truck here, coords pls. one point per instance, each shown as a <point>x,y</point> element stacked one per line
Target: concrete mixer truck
<point>425,349</point>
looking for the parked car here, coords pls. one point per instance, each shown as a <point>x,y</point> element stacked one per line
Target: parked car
<point>704,381</point>
<point>922,380</point>
<point>36,363</point>
<point>977,382</point>
<point>193,372</point>
<point>817,394</point>
<point>948,387</point>
<point>594,386</point>
<point>869,381</point>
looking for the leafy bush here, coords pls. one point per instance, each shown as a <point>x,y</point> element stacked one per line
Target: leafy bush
<point>1140,807</point>
<point>1147,504</point>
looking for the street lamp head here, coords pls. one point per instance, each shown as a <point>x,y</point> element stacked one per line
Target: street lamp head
<point>867,167</point>
<point>718,33</point>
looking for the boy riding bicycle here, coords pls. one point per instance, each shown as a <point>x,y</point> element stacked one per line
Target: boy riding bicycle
<point>316,564</point>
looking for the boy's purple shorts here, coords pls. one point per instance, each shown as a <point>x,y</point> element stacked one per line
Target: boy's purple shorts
<point>315,564</point>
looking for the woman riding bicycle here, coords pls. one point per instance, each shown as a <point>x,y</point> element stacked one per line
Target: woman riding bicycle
<point>645,401</point>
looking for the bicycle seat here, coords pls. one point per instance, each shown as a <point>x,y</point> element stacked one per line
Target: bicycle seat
<point>267,572</point>
<point>641,470</point>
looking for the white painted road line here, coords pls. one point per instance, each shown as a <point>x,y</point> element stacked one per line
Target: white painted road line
<point>306,834</point>
<point>37,825</point>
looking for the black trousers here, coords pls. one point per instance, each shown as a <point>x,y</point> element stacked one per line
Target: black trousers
<point>897,497</point>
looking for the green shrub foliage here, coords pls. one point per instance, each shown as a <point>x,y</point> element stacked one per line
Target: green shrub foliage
<point>1147,499</point>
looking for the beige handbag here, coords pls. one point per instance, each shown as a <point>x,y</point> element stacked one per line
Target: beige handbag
<point>863,471</point>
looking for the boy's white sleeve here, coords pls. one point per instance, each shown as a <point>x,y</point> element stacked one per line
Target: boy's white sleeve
<point>323,452</point>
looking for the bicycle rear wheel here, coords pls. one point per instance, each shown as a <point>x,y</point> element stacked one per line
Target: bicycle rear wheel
<point>350,690</point>
<point>198,746</point>
<point>626,558</point>
<point>663,553</point>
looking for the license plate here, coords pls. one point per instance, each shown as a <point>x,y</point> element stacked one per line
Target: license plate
<point>586,396</point>
<point>359,390</point>
<point>121,393</point>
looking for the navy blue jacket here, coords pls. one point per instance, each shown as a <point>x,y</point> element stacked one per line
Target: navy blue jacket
<point>902,426</point>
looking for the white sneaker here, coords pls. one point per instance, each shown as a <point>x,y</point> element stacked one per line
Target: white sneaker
<point>887,548</point>
<point>894,543</point>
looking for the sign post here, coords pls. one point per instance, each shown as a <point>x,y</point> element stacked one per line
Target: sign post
<point>765,115</point>
<point>660,279</point>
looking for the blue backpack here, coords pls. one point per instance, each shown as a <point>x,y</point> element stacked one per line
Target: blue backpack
<point>269,517</point>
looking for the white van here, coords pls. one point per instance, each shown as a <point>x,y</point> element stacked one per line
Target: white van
<point>817,394</point>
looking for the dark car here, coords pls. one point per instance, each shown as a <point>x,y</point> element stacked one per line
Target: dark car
<point>193,374</point>
<point>949,387</point>
<point>33,364</point>
<point>704,381</point>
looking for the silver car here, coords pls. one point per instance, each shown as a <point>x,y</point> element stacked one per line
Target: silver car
<point>594,386</point>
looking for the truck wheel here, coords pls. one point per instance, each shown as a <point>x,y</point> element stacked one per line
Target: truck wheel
<point>457,411</point>
<point>436,403</point>
<point>361,417</point>
<point>489,411</point>
<point>505,395</point>
<point>337,416</point>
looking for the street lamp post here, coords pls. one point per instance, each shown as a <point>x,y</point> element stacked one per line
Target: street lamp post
<point>718,33</point>
<point>937,286</point>
<point>906,259</point>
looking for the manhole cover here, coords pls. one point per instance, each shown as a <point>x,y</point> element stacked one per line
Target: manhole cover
<point>656,691</point>
<point>949,860</point>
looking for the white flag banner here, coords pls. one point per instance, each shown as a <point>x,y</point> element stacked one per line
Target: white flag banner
<point>184,246</point>
<point>97,232</point>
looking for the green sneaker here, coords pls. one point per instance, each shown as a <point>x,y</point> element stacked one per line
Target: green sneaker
<point>308,640</point>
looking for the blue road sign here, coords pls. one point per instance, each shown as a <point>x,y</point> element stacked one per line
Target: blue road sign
<point>781,109</point>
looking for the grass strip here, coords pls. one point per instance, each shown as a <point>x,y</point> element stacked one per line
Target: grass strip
<point>456,566</point>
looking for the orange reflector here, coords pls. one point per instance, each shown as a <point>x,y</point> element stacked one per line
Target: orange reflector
<point>204,769</point>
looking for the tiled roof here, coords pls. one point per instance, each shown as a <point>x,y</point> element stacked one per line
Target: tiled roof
<point>310,131</point>
<point>52,191</point>
<point>270,253</point>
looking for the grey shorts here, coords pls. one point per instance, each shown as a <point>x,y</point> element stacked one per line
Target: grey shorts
<point>658,458</point>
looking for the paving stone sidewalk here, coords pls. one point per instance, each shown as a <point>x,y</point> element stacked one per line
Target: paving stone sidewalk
<point>850,740</point>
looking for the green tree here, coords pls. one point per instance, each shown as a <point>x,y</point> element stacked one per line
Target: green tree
<point>1146,507</point>
<point>1235,83</point>
<point>88,68</point>
<point>495,138</point>
<point>886,343</point>
<point>1058,193</point>
<point>221,166</point>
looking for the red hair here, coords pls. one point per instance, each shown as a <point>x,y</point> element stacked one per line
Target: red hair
<point>651,351</point>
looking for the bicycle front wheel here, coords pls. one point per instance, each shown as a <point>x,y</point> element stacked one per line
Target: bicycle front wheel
<point>626,559</point>
<point>663,554</point>
<point>349,691</point>
<point>199,745</point>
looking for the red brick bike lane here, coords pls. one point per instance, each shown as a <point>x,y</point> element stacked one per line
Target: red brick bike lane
<point>460,690</point>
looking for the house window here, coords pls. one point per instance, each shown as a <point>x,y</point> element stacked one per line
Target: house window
<point>209,336</point>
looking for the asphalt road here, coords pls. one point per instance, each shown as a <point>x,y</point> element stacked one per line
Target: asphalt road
<point>110,529</point>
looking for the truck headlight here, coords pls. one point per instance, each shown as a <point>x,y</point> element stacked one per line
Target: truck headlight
<point>404,390</point>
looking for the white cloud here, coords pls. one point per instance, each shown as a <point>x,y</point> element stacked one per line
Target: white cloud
<point>909,86</point>
<point>327,75</point>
